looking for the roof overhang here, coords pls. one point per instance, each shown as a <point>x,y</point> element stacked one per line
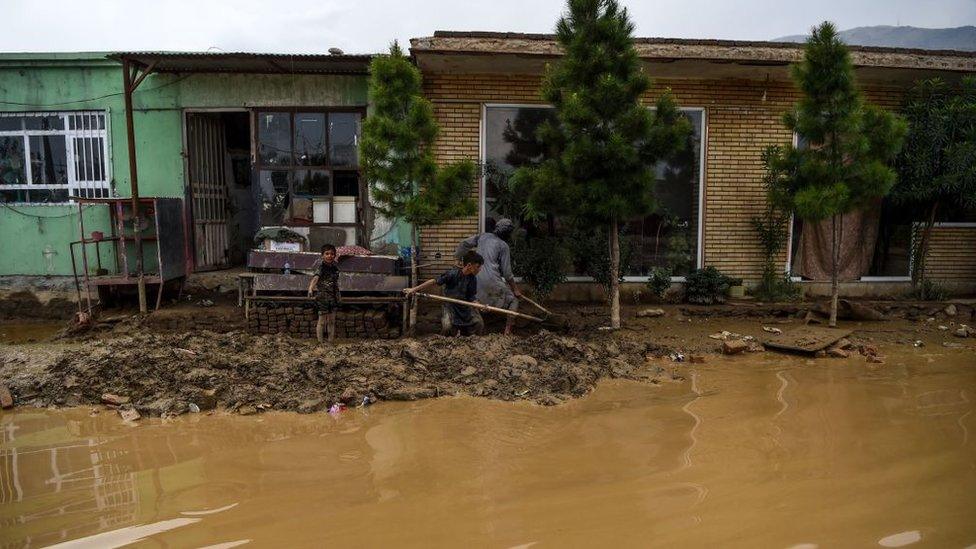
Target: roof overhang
<point>242,62</point>
<point>488,52</point>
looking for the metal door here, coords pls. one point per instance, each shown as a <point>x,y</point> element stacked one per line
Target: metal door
<point>207,168</point>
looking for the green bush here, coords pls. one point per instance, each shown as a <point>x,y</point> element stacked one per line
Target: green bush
<point>659,281</point>
<point>540,261</point>
<point>707,286</point>
<point>926,290</point>
<point>591,254</point>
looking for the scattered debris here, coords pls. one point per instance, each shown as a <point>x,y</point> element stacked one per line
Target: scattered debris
<point>943,328</point>
<point>950,310</point>
<point>868,350</point>
<point>677,357</point>
<point>859,311</point>
<point>193,408</point>
<point>114,400</point>
<point>337,408</point>
<point>962,331</point>
<point>366,402</point>
<point>874,359</point>
<point>918,343</point>
<point>130,414</point>
<point>837,352</point>
<point>807,339</point>
<point>772,330</point>
<point>247,410</point>
<point>6,399</point>
<point>206,303</point>
<point>650,313</point>
<point>734,346</point>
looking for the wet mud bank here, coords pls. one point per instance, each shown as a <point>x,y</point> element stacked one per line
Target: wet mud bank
<point>171,374</point>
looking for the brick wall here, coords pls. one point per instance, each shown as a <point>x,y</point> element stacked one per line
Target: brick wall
<point>952,255</point>
<point>742,118</point>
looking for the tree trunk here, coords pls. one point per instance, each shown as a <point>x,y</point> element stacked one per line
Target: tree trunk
<point>834,253</point>
<point>614,275</point>
<point>414,277</point>
<point>922,252</point>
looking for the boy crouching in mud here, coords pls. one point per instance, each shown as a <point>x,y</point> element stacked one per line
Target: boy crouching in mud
<point>459,283</point>
<point>325,287</point>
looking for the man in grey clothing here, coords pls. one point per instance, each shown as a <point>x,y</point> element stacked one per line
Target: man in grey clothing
<point>496,283</point>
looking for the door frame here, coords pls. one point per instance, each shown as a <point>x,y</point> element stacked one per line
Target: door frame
<point>191,252</point>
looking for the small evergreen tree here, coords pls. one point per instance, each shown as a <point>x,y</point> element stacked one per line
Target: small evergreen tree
<point>398,159</point>
<point>937,166</point>
<point>850,144</point>
<point>603,143</point>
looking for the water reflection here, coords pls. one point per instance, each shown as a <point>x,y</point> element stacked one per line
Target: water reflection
<point>764,453</point>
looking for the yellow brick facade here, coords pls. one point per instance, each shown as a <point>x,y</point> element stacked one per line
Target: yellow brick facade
<point>742,117</point>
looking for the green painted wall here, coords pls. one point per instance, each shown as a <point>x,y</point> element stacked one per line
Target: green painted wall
<point>34,239</point>
<point>60,82</point>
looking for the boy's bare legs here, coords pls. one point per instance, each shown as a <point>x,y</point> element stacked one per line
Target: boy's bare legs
<point>325,319</point>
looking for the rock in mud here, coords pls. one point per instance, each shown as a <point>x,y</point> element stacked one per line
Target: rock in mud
<point>114,400</point>
<point>961,332</point>
<point>734,346</point>
<point>247,410</point>
<point>650,313</point>
<point>130,414</point>
<point>837,352</point>
<point>6,399</point>
<point>521,362</point>
<point>950,310</point>
<point>875,359</point>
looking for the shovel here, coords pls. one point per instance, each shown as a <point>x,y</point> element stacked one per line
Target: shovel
<point>552,320</point>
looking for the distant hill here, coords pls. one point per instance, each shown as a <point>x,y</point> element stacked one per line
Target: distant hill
<point>959,38</point>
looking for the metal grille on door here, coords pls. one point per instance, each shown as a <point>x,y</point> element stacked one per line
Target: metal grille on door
<point>208,169</point>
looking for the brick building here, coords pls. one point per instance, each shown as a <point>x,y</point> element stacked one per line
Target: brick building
<point>484,87</point>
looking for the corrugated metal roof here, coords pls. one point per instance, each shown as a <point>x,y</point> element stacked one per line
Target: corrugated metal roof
<point>246,62</point>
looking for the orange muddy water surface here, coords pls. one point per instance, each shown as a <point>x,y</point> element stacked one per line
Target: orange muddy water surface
<point>758,451</point>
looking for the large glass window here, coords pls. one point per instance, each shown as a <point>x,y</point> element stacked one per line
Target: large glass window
<point>876,242</point>
<point>667,238</point>
<point>308,167</point>
<point>49,157</point>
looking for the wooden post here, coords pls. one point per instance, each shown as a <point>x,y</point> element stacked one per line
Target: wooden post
<point>128,88</point>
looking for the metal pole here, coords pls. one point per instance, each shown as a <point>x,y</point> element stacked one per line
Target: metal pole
<point>134,181</point>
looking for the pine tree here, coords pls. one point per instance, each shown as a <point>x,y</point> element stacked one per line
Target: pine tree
<point>937,166</point>
<point>850,144</point>
<point>398,158</point>
<point>603,143</point>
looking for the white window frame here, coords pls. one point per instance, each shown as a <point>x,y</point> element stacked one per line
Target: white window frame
<point>699,260</point>
<point>74,184</point>
<point>895,278</point>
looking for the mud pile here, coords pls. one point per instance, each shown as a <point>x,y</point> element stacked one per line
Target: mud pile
<point>165,374</point>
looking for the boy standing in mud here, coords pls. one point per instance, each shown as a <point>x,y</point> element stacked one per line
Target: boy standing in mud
<point>325,287</point>
<point>459,283</point>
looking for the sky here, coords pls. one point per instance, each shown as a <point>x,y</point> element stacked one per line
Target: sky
<point>368,26</point>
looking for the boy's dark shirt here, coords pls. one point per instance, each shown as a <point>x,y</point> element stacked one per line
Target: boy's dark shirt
<point>328,282</point>
<point>459,286</point>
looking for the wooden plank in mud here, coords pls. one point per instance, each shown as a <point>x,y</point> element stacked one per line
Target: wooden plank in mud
<point>806,339</point>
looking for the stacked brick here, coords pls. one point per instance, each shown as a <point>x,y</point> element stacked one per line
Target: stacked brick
<point>300,321</point>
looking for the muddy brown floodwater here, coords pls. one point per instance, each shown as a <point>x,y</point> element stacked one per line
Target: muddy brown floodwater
<point>758,451</point>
